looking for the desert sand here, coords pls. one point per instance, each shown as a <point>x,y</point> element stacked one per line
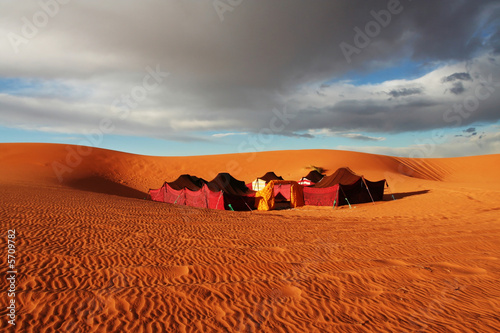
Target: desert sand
<point>93,255</point>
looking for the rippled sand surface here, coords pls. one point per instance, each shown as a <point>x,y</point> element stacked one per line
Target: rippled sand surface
<point>94,256</point>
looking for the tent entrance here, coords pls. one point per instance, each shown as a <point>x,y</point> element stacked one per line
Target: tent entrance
<point>282,195</point>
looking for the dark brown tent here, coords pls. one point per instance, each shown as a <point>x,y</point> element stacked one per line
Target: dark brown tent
<point>187,181</point>
<point>227,183</point>
<point>353,188</point>
<point>260,182</point>
<point>270,176</point>
<point>343,176</point>
<point>235,194</point>
<point>314,176</point>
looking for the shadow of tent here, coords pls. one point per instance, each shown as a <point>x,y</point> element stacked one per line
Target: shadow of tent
<point>102,185</point>
<point>402,195</point>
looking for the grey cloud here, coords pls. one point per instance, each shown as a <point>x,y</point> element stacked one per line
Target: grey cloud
<point>361,137</point>
<point>469,132</point>
<point>457,76</point>
<point>354,136</point>
<point>55,116</point>
<point>405,92</point>
<point>299,135</point>
<point>458,88</point>
<point>489,143</point>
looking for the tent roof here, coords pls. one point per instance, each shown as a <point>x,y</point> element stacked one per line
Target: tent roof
<point>314,176</point>
<point>270,176</point>
<point>227,183</point>
<point>187,181</point>
<point>343,176</point>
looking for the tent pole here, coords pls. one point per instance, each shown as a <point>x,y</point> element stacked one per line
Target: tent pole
<point>250,209</point>
<point>345,197</point>
<point>368,189</point>
<point>175,202</point>
<point>206,195</point>
<point>217,205</point>
<point>336,197</point>
<point>392,194</point>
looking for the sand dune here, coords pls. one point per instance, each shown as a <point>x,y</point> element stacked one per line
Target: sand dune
<point>95,256</point>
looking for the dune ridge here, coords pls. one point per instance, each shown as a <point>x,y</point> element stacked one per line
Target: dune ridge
<point>94,256</point>
<point>98,168</point>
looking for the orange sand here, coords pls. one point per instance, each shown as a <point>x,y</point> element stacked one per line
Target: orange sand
<point>93,256</point>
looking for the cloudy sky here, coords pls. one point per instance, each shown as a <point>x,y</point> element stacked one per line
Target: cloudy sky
<point>191,77</point>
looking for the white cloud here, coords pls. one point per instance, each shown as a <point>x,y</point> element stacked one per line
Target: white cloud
<point>355,136</point>
<point>222,135</point>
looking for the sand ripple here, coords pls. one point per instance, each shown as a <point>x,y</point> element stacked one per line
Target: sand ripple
<point>94,262</point>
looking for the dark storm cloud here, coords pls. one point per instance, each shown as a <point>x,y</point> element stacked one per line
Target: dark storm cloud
<point>495,42</point>
<point>371,116</point>
<point>231,74</point>
<point>259,44</point>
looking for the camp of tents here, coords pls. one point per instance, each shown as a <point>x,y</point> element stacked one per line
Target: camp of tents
<point>343,187</point>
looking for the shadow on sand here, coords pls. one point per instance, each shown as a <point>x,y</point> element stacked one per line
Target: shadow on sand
<point>102,185</point>
<point>388,197</point>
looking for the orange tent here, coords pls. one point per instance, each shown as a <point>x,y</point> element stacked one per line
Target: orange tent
<point>289,192</point>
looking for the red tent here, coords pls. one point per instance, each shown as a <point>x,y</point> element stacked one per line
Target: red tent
<point>327,196</point>
<point>175,192</point>
<point>223,192</point>
<point>157,194</point>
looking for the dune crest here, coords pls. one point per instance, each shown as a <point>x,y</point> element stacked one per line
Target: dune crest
<point>96,169</point>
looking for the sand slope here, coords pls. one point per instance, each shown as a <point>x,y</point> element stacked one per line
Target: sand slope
<point>94,257</point>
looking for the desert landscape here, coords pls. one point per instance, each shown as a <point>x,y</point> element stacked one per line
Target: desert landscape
<point>93,254</point>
